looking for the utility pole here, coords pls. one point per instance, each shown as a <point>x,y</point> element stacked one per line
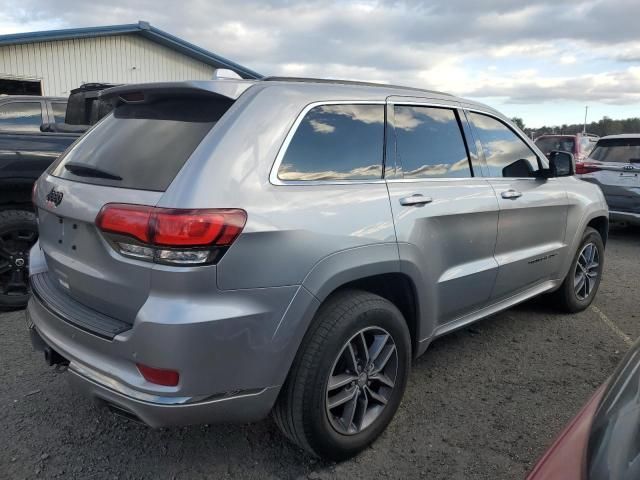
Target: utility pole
<point>586,109</point>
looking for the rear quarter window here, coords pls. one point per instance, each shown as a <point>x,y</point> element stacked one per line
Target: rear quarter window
<point>336,143</point>
<point>141,146</point>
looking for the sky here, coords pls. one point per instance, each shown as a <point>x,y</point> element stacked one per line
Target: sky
<point>541,60</point>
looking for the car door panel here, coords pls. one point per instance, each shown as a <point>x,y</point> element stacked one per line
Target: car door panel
<point>531,233</point>
<point>453,230</point>
<point>532,221</point>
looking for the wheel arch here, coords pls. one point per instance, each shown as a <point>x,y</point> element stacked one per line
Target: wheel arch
<point>375,269</point>
<point>595,218</point>
<point>601,224</point>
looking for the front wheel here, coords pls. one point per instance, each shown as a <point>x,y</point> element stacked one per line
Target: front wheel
<point>18,233</point>
<point>581,283</point>
<point>348,378</point>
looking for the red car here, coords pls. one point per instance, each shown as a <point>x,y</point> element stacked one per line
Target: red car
<point>580,145</point>
<point>603,441</point>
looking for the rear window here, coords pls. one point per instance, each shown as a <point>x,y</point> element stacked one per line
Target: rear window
<point>336,142</point>
<point>619,150</point>
<point>549,144</point>
<point>141,146</point>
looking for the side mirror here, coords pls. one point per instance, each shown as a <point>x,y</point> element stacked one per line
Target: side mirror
<point>561,164</point>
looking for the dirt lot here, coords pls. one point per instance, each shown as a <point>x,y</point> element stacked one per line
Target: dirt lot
<point>482,403</point>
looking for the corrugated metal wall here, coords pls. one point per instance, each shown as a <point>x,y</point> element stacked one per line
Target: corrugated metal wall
<point>66,64</point>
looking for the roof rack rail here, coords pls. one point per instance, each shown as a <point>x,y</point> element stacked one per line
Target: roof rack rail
<point>348,82</point>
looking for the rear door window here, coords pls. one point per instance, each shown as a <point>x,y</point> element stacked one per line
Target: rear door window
<point>141,146</point>
<point>21,117</point>
<point>336,143</point>
<point>506,154</point>
<point>429,143</point>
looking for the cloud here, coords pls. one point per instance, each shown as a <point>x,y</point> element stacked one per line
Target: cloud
<point>288,172</point>
<point>621,87</point>
<point>513,52</point>
<point>322,127</point>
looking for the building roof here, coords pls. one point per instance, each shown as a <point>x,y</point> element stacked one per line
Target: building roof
<point>141,28</point>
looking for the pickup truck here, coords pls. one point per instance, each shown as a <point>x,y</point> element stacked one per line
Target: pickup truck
<point>34,131</point>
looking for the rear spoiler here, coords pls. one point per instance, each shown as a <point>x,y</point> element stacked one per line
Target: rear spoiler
<point>145,92</point>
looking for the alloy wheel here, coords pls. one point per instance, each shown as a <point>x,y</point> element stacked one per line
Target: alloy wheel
<point>587,271</point>
<point>361,381</point>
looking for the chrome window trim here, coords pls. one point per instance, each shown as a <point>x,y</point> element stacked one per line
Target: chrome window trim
<point>273,175</point>
<point>525,139</point>
<point>451,106</point>
<point>443,179</point>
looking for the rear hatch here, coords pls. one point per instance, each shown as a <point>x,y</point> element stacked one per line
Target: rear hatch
<point>130,157</point>
<point>614,164</point>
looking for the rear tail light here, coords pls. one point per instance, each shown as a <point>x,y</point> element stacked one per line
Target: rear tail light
<point>172,236</point>
<point>159,376</point>
<point>586,167</point>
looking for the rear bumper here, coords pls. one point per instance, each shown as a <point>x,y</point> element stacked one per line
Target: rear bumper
<point>231,362</point>
<point>159,411</point>
<point>167,411</point>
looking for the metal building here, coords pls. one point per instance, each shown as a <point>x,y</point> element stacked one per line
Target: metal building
<point>54,62</point>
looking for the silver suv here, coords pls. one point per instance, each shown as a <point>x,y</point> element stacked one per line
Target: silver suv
<point>215,251</point>
<point>614,165</point>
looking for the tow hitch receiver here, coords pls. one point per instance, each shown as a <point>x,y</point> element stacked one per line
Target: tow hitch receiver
<point>54,358</point>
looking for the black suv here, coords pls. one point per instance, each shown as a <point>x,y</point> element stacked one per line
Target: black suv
<point>34,131</point>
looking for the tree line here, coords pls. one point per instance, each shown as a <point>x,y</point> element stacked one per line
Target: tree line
<point>604,126</point>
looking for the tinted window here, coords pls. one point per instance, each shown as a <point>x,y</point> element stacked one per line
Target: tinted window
<point>429,143</point>
<point>336,142</point>
<point>59,111</point>
<point>141,146</point>
<point>506,154</point>
<point>549,144</point>
<point>619,150</point>
<point>21,117</point>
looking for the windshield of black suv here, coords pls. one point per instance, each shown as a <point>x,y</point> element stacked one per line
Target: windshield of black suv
<point>549,144</point>
<point>619,150</point>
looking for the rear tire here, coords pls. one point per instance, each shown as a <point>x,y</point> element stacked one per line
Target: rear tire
<point>581,284</point>
<point>18,233</point>
<point>346,323</point>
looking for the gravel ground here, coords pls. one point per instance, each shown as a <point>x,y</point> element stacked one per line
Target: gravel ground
<point>482,403</point>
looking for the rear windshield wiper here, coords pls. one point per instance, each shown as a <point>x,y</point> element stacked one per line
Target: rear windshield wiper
<point>88,171</point>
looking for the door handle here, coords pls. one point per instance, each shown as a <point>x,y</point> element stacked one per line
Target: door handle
<point>511,194</point>
<point>415,199</point>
